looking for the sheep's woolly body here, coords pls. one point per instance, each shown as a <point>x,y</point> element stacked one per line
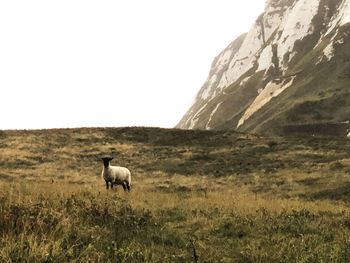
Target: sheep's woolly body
<point>116,174</point>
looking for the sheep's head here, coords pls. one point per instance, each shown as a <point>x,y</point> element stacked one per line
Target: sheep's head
<point>106,161</point>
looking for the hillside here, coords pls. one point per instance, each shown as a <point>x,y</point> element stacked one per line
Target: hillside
<point>291,68</point>
<point>197,196</point>
<point>63,154</point>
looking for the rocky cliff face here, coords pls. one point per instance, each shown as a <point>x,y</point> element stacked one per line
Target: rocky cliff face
<point>293,66</point>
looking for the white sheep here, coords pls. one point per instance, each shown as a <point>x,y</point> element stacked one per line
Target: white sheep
<point>115,175</point>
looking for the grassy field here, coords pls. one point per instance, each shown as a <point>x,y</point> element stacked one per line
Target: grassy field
<point>197,196</point>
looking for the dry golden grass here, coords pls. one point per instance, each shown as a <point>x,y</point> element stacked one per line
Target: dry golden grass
<point>206,197</point>
<point>199,212</point>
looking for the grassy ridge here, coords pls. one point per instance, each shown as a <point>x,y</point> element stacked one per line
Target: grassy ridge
<point>196,196</point>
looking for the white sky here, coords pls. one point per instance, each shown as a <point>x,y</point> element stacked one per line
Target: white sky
<point>84,63</point>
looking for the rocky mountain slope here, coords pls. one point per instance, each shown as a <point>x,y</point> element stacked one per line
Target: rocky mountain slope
<point>292,67</point>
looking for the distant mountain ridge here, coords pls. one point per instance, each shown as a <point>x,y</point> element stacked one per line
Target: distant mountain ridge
<point>292,67</point>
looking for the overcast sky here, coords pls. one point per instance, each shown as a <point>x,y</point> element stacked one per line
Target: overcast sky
<point>84,63</point>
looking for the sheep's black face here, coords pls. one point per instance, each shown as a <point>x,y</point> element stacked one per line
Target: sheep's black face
<point>106,161</point>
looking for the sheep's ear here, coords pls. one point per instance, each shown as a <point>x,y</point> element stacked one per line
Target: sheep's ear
<point>110,158</point>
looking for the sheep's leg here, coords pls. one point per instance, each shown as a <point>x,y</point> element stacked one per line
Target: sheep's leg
<point>127,185</point>
<point>107,186</point>
<point>111,185</point>
<point>124,186</point>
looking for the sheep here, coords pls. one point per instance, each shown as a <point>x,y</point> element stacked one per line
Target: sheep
<point>115,175</point>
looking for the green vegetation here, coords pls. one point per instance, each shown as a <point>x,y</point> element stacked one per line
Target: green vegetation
<point>197,196</point>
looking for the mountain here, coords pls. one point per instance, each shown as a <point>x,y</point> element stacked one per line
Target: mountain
<point>291,68</point>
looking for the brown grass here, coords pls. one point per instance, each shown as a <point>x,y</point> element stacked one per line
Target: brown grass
<point>207,197</point>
